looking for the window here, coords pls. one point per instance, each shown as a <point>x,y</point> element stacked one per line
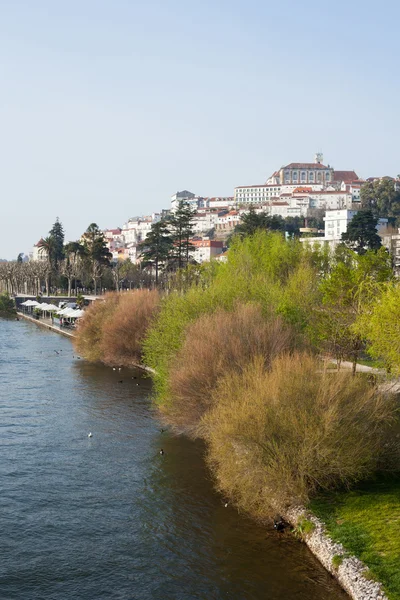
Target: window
<point>295,176</point>
<point>303,176</point>
<point>319,177</point>
<point>328,176</point>
<point>311,176</point>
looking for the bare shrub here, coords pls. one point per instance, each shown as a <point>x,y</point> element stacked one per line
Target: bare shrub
<point>277,436</point>
<point>214,344</point>
<point>90,330</point>
<point>123,335</point>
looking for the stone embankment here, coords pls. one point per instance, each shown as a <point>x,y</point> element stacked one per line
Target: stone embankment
<point>351,573</point>
<point>46,324</point>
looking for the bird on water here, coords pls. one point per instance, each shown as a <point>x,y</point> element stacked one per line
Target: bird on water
<point>161,451</point>
<point>90,434</point>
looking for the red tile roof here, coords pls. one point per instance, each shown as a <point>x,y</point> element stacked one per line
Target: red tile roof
<point>259,185</point>
<point>347,176</point>
<point>306,166</point>
<point>302,190</point>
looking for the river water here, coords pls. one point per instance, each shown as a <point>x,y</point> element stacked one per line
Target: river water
<point>108,516</point>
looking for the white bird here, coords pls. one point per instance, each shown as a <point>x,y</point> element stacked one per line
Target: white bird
<point>114,369</point>
<point>90,434</point>
<point>226,505</point>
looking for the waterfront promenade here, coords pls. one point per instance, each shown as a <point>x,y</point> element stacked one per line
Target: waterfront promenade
<point>46,324</point>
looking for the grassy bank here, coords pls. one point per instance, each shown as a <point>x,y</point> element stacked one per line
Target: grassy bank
<point>366,520</point>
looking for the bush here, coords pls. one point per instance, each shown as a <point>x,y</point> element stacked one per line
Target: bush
<point>88,340</point>
<point>112,330</point>
<point>214,344</point>
<point>122,338</point>
<point>7,305</point>
<point>277,437</point>
<point>263,268</point>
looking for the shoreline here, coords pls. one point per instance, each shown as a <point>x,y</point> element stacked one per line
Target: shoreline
<point>350,574</point>
<point>45,325</point>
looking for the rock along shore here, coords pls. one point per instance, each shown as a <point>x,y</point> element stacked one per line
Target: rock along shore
<point>352,574</point>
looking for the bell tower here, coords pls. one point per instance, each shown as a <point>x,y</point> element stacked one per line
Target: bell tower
<point>319,158</point>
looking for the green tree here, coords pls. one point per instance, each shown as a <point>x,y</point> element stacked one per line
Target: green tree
<point>7,305</point>
<point>382,197</point>
<point>182,230</point>
<point>57,233</point>
<point>253,221</point>
<point>158,247</point>
<point>347,292</point>
<point>97,255</point>
<point>381,326</point>
<point>361,233</point>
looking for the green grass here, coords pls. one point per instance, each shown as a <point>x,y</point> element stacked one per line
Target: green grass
<point>367,522</point>
<point>369,362</point>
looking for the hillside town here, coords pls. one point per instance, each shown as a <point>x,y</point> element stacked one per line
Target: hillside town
<point>318,198</point>
<point>302,190</point>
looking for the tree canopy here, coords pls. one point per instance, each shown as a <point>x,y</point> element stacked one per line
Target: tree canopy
<point>361,233</point>
<point>382,197</point>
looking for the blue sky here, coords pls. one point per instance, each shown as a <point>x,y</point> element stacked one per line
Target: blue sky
<point>109,107</point>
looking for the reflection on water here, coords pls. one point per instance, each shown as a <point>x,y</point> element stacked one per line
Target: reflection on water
<point>107,516</point>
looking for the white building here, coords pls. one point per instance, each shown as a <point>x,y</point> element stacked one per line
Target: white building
<point>204,221</point>
<point>205,250</point>
<point>304,173</point>
<point>184,196</point>
<point>336,222</point>
<point>37,252</point>
<point>227,221</point>
<point>297,177</point>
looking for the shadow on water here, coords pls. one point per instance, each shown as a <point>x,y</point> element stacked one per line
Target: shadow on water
<point>108,516</point>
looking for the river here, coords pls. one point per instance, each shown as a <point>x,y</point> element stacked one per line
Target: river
<point>108,516</point>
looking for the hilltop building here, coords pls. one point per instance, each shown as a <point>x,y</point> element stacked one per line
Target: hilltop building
<point>316,184</point>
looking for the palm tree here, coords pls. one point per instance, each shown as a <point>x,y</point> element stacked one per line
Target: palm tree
<point>47,246</point>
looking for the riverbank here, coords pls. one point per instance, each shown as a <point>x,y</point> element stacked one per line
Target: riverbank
<point>46,324</point>
<point>164,531</point>
<point>366,522</point>
<point>350,573</point>
<point>354,575</point>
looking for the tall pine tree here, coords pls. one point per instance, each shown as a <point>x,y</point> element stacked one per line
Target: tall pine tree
<point>57,234</point>
<point>157,248</point>
<point>182,231</point>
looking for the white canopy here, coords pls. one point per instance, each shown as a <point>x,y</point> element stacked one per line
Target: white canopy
<point>52,307</point>
<point>63,311</point>
<point>30,303</point>
<point>43,306</point>
<point>67,312</point>
<point>78,313</point>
